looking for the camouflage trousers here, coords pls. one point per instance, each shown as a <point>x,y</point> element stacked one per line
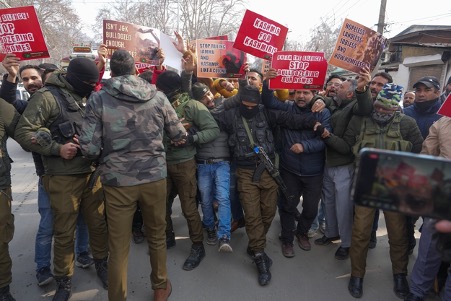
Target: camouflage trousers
<point>121,203</point>
<point>69,195</point>
<point>6,235</point>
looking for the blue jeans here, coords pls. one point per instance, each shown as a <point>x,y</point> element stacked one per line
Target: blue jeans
<point>214,184</point>
<point>44,236</point>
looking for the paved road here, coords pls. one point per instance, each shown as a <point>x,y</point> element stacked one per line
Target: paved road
<point>313,275</point>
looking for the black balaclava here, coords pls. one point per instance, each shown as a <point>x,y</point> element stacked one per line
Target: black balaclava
<point>80,72</point>
<point>250,94</point>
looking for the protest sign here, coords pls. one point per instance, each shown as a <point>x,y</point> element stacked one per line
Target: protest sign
<point>218,58</point>
<point>260,36</point>
<point>445,109</point>
<point>357,47</point>
<point>298,70</point>
<point>21,34</point>
<point>140,41</point>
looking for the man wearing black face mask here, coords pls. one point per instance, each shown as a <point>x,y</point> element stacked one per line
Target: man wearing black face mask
<point>426,104</point>
<point>61,109</point>
<point>251,125</point>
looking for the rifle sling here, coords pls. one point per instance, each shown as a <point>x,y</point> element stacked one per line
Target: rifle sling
<point>261,167</point>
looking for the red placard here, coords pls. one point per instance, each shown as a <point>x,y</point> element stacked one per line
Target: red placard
<point>21,34</point>
<point>357,47</point>
<point>298,70</point>
<point>260,36</point>
<point>445,109</point>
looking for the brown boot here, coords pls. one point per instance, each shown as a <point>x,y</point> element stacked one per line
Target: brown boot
<point>162,294</point>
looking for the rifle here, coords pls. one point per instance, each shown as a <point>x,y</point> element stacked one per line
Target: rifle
<point>275,174</point>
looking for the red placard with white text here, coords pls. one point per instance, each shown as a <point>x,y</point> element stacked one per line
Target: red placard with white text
<point>21,34</point>
<point>260,36</point>
<point>298,70</point>
<point>445,109</point>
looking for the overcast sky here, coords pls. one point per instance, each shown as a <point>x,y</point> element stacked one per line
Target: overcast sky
<point>301,16</point>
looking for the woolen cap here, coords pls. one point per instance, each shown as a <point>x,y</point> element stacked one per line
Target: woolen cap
<point>249,93</point>
<point>199,90</point>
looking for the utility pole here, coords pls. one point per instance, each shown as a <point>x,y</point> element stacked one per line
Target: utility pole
<point>381,22</point>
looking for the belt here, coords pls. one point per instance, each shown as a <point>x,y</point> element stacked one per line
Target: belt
<point>212,160</point>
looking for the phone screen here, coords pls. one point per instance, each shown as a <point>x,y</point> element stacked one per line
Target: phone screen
<point>412,184</point>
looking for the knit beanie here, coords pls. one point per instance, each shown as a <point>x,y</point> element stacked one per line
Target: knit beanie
<point>389,97</point>
<point>169,82</point>
<point>249,93</point>
<point>199,90</point>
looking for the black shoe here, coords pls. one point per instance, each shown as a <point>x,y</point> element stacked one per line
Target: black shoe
<point>412,297</point>
<point>342,253</point>
<point>44,276</point>
<point>373,240</point>
<point>264,275</point>
<point>401,286</point>
<point>63,289</point>
<point>324,241</point>
<point>83,260</point>
<point>102,271</point>
<point>212,238</point>
<point>5,294</point>
<point>355,287</point>
<point>138,236</point>
<point>170,240</point>
<point>195,257</point>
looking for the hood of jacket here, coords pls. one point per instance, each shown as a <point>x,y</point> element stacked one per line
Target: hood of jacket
<point>58,79</point>
<point>130,88</point>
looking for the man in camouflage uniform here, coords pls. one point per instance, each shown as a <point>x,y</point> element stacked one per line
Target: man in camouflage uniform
<point>181,162</point>
<point>58,108</point>
<point>133,166</point>
<point>8,120</point>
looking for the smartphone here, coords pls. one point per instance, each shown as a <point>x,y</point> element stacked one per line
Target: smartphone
<point>412,184</point>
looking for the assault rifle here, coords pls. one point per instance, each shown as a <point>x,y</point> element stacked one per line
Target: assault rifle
<point>274,172</point>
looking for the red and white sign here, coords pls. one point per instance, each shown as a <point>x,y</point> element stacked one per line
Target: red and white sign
<point>21,34</point>
<point>298,70</point>
<point>260,36</point>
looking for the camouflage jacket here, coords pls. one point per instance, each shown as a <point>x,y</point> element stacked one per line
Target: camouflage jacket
<point>123,128</point>
<point>42,111</point>
<point>8,120</point>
